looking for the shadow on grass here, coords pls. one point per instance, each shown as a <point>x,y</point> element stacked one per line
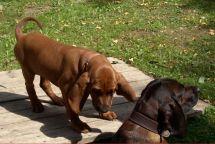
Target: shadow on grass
<point>204,5</point>
<point>101,3</point>
<point>210,24</point>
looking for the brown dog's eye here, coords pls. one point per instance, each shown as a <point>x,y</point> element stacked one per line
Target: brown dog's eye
<point>96,91</point>
<point>110,92</point>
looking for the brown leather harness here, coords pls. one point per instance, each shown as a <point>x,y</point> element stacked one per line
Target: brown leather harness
<point>144,121</point>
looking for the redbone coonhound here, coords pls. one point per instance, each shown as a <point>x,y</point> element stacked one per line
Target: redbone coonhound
<point>77,71</point>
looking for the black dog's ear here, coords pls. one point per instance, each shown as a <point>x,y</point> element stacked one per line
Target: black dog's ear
<point>124,89</point>
<point>171,119</point>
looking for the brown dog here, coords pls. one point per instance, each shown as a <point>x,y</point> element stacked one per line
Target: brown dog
<point>158,113</point>
<point>78,72</point>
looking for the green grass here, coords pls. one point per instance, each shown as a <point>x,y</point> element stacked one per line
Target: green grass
<point>170,38</point>
<point>162,38</point>
<point>200,129</point>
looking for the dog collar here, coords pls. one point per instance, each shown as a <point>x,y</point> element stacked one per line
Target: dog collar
<point>86,63</point>
<point>144,121</point>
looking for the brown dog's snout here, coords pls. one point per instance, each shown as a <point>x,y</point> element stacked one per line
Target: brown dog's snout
<point>101,100</point>
<point>102,108</point>
<point>101,104</point>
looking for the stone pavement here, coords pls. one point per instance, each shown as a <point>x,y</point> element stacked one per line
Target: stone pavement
<point>20,125</point>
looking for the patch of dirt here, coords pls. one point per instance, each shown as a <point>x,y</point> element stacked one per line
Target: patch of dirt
<point>32,10</point>
<point>178,37</point>
<point>183,35</point>
<point>139,33</point>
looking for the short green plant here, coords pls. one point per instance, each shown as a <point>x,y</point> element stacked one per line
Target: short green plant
<point>169,38</point>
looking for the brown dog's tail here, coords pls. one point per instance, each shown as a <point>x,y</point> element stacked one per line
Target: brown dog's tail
<point>20,24</point>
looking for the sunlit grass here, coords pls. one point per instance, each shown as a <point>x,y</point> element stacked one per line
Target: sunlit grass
<point>171,38</point>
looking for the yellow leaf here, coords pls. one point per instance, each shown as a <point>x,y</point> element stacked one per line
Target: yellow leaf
<point>1,8</point>
<point>98,27</point>
<point>83,23</point>
<point>65,25</point>
<point>115,41</point>
<point>211,32</point>
<point>131,59</point>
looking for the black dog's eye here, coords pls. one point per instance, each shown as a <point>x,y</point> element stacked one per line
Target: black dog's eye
<point>96,91</point>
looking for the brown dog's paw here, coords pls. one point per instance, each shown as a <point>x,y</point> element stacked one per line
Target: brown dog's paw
<point>86,128</point>
<point>80,127</point>
<point>37,107</point>
<point>108,115</point>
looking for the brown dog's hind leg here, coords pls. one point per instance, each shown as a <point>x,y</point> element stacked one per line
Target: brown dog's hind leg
<point>46,86</point>
<point>35,102</point>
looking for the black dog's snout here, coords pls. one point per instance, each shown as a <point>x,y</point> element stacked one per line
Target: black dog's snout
<point>197,90</point>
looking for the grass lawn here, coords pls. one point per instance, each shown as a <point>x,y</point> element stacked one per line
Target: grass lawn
<point>169,38</point>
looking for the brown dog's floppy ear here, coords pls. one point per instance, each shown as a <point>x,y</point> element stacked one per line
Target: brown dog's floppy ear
<point>171,119</point>
<point>124,89</point>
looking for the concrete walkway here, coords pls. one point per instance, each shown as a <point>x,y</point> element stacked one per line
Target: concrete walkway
<point>20,125</point>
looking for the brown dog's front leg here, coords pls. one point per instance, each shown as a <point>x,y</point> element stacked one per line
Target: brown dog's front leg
<point>85,96</point>
<point>74,100</point>
<point>125,89</point>
<point>73,108</point>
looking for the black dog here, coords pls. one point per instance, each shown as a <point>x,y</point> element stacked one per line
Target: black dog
<point>159,112</point>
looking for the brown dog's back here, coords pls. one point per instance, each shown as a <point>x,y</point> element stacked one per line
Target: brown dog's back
<point>40,54</point>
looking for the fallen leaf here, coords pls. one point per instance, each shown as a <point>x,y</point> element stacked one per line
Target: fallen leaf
<point>98,27</point>
<point>83,23</point>
<point>193,38</point>
<point>65,25</point>
<point>115,41</point>
<point>201,80</point>
<point>116,22</point>
<point>161,45</point>
<point>1,8</point>
<point>131,60</point>
<point>195,54</point>
<point>211,32</point>
<point>202,17</point>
